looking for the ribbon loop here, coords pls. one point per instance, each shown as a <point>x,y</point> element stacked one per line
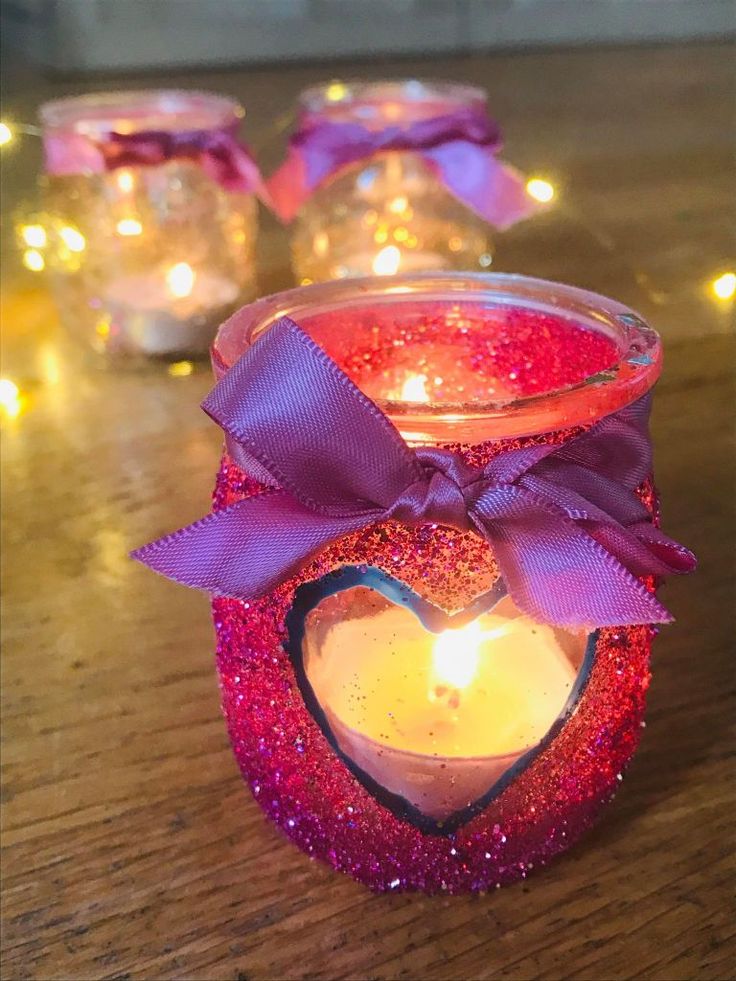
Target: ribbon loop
<point>224,159</point>
<point>458,147</point>
<point>564,521</point>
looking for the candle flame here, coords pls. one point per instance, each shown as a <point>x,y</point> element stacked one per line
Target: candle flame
<point>387,261</point>
<point>456,659</point>
<point>456,655</point>
<point>180,280</point>
<point>414,389</point>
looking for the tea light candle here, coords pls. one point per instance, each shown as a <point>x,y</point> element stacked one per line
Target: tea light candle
<point>438,718</point>
<point>163,314</point>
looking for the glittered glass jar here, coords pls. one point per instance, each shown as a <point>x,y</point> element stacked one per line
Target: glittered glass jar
<point>389,213</point>
<point>149,238</point>
<point>393,711</point>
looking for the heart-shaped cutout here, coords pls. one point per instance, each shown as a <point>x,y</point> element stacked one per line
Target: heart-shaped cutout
<point>433,712</point>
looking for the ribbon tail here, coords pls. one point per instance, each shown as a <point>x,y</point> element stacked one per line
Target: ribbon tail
<point>673,557</point>
<point>249,548</point>
<point>473,174</point>
<point>233,168</point>
<point>288,188</point>
<point>557,573</point>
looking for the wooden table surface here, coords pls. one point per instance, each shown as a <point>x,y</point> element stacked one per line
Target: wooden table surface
<point>131,848</point>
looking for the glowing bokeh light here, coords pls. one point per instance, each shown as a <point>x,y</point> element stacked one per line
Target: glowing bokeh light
<point>6,134</point>
<point>724,286</point>
<point>34,236</point>
<point>387,261</point>
<point>398,205</point>
<point>540,189</point>
<point>129,227</point>
<point>10,398</point>
<point>180,369</point>
<point>180,280</point>
<point>336,91</point>
<point>33,260</point>
<point>72,238</point>
<point>125,181</point>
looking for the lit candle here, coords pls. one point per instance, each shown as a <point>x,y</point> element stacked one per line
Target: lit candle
<point>391,259</point>
<point>164,313</point>
<point>437,718</point>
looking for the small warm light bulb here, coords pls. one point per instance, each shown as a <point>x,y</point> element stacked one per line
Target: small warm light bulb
<point>129,227</point>
<point>336,91</point>
<point>414,389</point>
<point>34,235</point>
<point>399,205</point>
<point>10,400</point>
<point>124,181</point>
<point>456,656</point>
<point>72,238</point>
<point>387,261</point>
<point>724,287</point>
<point>180,280</point>
<point>540,190</point>
<point>33,260</point>
<point>180,369</point>
<point>6,134</point>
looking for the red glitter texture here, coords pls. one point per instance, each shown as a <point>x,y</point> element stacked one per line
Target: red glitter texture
<point>293,772</point>
<point>307,790</point>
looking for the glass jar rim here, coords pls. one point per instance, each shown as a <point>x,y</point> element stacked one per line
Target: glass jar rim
<point>142,110</point>
<point>638,347</point>
<point>344,93</point>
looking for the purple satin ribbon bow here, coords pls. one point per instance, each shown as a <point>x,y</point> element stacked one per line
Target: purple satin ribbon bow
<point>568,531</point>
<point>222,157</point>
<point>218,151</point>
<point>459,147</point>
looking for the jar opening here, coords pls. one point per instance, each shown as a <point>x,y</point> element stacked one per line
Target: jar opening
<point>468,357</point>
<point>388,101</point>
<point>168,110</point>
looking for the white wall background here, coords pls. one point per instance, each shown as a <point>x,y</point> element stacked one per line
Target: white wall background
<point>73,36</point>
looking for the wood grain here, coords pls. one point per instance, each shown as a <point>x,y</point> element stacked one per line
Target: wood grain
<point>131,848</point>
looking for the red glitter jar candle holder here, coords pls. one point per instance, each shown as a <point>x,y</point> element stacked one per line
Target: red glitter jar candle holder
<point>394,707</point>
